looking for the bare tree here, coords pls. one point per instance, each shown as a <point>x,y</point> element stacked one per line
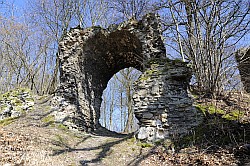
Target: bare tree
<point>21,59</point>
<point>54,18</point>
<point>90,12</point>
<point>206,33</point>
<point>126,9</point>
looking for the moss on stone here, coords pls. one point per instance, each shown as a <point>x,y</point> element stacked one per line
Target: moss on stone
<point>17,102</point>
<point>14,93</point>
<point>132,140</point>
<point>148,73</point>
<point>16,99</point>
<point>30,99</point>
<point>159,61</point>
<point>6,95</point>
<point>2,108</point>
<point>46,108</point>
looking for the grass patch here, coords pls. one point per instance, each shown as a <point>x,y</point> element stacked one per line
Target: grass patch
<point>210,110</point>
<point>49,120</point>
<point>144,144</point>
<point>213,110</point>
<point>7,121</point>
<point>62,127</point>
<point>132,140</point>
<point>234,115</point>
<point>60,141</point>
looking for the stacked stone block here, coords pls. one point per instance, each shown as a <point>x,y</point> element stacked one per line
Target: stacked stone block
<point>161,102</point>
<point>90,57</point>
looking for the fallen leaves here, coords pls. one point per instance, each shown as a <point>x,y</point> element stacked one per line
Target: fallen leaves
<point>13,147</point>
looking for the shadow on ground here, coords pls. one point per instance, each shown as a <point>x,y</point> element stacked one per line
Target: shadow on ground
<point>104,148</point>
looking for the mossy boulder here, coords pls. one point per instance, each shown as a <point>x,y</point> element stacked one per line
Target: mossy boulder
<point>15,103</point>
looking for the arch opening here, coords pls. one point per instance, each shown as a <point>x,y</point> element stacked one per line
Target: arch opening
<point>117,112</point>
<point>90,57</point>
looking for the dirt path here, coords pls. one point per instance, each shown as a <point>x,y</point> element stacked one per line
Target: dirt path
<point>35,140</point>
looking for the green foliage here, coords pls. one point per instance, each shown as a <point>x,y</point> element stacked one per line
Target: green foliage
<point>210,109</point>
<point>234,115</point>
<point>213,110</point>
<point>217,128</point>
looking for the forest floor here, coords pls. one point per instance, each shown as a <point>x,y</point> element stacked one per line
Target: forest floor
<point>35,140</point>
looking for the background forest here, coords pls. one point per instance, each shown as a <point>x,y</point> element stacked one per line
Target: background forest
<point>205,33</point>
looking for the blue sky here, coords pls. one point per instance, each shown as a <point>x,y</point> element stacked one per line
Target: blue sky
<point>19,3</point>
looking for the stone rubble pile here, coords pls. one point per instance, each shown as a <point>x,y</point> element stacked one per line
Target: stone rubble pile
<point>161,102</point>
<point>15,103</point>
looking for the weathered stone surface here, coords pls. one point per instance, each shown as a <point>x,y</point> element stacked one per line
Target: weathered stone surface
<point>170,105</point>
<point>15,103</point>
<point>243,60</point>
<point>90,57</point>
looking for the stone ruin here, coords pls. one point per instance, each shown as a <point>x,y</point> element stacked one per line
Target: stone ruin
<point>90,57</point>
<point>161,102</point>
<point>243,59</point>
<point>15,103</point>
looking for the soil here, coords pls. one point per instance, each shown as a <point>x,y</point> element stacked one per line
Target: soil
<point>33,141</point>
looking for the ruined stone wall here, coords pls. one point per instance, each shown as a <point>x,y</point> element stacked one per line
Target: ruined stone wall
<point>90,57</point>
<point>243,60</point>
<point>161,101</point>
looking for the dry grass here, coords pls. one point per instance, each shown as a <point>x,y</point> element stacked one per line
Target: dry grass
<point>31,141</point>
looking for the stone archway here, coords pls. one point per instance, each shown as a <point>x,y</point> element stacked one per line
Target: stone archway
<point>117,113</point>
<point>90,57</point>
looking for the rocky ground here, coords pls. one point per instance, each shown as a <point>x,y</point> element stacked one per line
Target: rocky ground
<point>34,140</point>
